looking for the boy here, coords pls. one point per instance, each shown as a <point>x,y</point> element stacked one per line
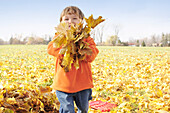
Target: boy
<point>76,84</point>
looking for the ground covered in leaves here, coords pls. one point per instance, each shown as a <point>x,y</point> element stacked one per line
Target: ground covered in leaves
<point>137,79</point>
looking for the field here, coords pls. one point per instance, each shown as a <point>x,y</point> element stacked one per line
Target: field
<point>137,79</point>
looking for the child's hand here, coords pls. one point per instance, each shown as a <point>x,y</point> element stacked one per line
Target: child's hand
<point>81,57</point>
<point>86,51</point>
<point>83,53</point>
<point>54,45</point>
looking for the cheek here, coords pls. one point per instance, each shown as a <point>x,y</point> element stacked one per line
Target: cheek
<point>77,21</point>
<point>64,21</point>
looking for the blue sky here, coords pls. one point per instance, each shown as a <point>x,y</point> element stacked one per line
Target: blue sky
<point>134,18</point>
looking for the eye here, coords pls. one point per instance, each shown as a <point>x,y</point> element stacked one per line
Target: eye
<point>66,19</point>
<point>75,18</point>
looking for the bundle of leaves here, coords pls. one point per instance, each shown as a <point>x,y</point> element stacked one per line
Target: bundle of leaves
<point>71,39</point>
<point>19,98</point>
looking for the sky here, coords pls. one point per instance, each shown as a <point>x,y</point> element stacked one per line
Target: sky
<point>134,19</point>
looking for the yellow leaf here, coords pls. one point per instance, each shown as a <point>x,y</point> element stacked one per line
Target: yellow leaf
<point>11,100</point>
<point>71,39</point>
<point>91,22</point>
<point>62,27</point>
<point>159,93</point>
<point>45,89</point>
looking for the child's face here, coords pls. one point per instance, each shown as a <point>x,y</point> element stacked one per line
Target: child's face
<point>71,19</point>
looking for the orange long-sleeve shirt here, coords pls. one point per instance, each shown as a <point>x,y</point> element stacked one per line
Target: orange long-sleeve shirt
<point>76,79</point>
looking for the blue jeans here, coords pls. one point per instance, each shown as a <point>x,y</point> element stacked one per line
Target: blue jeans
<point>81,99</point>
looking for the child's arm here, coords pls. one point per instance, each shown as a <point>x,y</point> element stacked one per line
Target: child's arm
<point>95,51</point>
<point>52,50</point>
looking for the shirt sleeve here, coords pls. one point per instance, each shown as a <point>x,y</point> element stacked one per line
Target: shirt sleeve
<point>51,50</point>
<point>95,51</point>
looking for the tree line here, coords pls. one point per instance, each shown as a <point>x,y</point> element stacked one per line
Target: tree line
<point>29,40</point>
<point>162,40</point>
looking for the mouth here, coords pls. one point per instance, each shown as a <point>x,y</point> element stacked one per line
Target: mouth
<point>71,25</point>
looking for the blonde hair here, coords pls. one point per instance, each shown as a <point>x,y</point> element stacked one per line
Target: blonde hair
<point>72,10</point>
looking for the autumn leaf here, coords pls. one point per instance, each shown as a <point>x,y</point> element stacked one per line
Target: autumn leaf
<point>59,41</point>
<point>45,89</point>
<point>62,28</point>
<point>91,22</point>
<point>20,98</point>
<point>11,100</point>
<point>71,39</point>
<point>119,74</point>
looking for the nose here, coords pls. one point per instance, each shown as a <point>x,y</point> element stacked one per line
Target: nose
<point>70,21</point>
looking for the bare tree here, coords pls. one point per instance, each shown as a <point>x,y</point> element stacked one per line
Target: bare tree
<point>1,42</point>
<point>117,33</point>
<point>165,39</point>
<point>101,32</point>
<point>98,32</point>
<point>153,39</point>
<point>93,34</point>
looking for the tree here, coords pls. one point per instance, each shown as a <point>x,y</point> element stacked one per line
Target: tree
<point>143,44</point>
<point>92,34</point>
<point>113,40</point>
<point>164,40</point>
<point>11,40</point>
<point>16,41</point>
<point>39,40</point>
<point>100,30</point>
<point>116,34</point>
<point>25,40</point>
<point>153,39</point>
<point>168,39</point>
<point>125,44</point>
<point>49,39</point>
<point>137,43</point>
<point>119,43</point>
<point>1,42</point>
<point>31,40</point>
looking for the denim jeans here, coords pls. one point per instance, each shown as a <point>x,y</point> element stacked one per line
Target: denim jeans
<point>81,99</point>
